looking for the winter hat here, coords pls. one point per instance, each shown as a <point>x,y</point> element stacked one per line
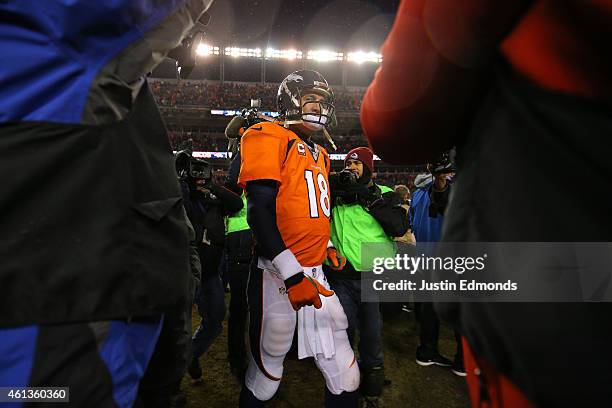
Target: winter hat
<point>364,155</point>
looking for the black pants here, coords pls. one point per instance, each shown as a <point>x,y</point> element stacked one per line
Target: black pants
<point>236,325</point>
<point>239,252</point>
<point>429,324</point>
<point>210,300</point>
<point>162,379</point>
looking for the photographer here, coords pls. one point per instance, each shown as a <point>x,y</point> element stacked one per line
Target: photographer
<point>362,212</point>
<point>206,203</point>
<point>429,203</point>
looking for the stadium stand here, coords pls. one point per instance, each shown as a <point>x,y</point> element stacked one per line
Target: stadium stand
<point>233,95</point>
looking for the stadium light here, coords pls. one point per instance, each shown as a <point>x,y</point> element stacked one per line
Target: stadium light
<point>324,55</point>
<point>205,49</point>
<point>243,52</point>
<point>360,57</point>
<point>290,54</point>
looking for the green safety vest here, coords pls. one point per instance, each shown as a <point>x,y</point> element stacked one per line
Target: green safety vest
<point>355,233</point>
<point>238,221</point>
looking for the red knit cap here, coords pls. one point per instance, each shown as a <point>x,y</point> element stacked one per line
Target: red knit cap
<point>364,155</point>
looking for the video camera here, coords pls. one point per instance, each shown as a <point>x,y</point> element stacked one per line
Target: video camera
<point>190,169</point>
<point>239,123</point>
<point>345,178</point>
<point>251,115</point>
<point>438,199</point>
<point>445,163</point>
<point>343,184</point>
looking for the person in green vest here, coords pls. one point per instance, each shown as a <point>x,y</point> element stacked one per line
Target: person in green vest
<point>362,212</point>
<point>238,252</point>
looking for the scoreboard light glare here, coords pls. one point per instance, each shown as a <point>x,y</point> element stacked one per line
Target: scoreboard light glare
<point>289,54</point>
<point>324,55</point>
<point>205,50</point>
<point>243,52</point>
<point>360,57</point>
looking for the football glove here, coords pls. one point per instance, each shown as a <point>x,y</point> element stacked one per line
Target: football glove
<point>336,261</point>
<point>304,291</point>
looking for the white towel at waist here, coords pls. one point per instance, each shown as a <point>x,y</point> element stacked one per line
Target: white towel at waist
<point>315,327</point>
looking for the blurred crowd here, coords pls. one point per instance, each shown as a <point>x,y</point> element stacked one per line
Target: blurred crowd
<point>217,142</point>
<point>393,178</point>
<point>235,95</point>
<point>200,140</point>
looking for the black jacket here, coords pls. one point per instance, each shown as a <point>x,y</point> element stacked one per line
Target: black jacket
<point>92,221</point>
<point>207,211</point>
<point>388,211</point>
<point>508,193</point>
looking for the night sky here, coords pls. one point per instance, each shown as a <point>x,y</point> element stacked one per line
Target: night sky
<point>303,24</point>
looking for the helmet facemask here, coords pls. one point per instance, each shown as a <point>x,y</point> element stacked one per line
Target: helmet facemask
<point>321,118</point>
<point>292,110</point>
<point>318,118</point>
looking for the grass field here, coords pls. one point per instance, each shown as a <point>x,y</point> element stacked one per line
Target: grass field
<point>412,386</point>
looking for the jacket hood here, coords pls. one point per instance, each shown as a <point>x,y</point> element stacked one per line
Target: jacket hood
<point>422,180</point>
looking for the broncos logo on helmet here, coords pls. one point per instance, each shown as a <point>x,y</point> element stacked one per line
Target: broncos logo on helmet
<point>298,84</point>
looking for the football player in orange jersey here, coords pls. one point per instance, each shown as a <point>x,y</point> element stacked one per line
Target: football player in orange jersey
<point>285,175</point>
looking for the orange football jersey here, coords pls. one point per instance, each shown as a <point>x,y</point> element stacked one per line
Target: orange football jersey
<point>269,151</point>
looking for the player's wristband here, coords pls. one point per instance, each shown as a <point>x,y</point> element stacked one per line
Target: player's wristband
<point>286,264</point>
<point>294,280</point>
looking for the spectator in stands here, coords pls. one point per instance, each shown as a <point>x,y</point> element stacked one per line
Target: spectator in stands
<point>234,95</point>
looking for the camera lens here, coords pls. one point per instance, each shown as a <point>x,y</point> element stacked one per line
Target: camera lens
<point>346,177</point>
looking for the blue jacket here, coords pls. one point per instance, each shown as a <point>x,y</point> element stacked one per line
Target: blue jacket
<point>93,226</point>
<point>424,227</point>
<point>49,63</point>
